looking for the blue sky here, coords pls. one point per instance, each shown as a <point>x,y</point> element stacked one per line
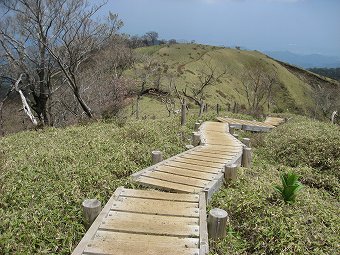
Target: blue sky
<point>300,26</point>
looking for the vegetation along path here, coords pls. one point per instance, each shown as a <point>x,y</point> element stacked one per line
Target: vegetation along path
<point>155,222</point>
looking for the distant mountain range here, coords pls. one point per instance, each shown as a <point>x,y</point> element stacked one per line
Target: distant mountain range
<point>305,61</point>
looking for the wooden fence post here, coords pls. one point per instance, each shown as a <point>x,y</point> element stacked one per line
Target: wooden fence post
<point>231,129</point>
<point>218,109</point>
<point>137,108</point>
<point>196,138</point>
<point>91,209</point>
<point>183,113</point>
<point>246,142</point>
<point>217,222</point>
<point>246,157</point>
<point>157,157</point>
<point>230,172</point>
<point>197,125</point>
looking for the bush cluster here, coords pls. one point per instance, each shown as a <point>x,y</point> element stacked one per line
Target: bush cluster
<point>303,141</point>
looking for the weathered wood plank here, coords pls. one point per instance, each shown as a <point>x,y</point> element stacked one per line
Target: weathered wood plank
<point>186,172</point>
<point>116,243</point>
<point>159,207</point>
<point>151,224</point>
<point>169,186</point>
<point>152,194</point>
<point>207,169</point>
<point>206,158</point>
<point>176,179</point>
<point>220,155</point>
<point>94,227</point>
<point>198,162</point>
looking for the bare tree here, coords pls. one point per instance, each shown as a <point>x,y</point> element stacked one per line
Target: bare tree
<point>208,76</point>
<point>45,39</point>
<point>257,84</point>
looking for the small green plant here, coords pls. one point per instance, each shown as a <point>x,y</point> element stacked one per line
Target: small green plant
<point>290,187</point>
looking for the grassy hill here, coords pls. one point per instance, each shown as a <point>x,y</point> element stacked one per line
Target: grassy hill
<point>46,174</point>
<point>295,90</point>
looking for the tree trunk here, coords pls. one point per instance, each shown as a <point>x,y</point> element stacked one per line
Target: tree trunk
<point>82,103</point>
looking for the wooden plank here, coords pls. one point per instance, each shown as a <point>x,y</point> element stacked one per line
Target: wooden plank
<point>198,162</point>
<point>207,158</point>
<point>220,155</point>
<point>165,185</point>
<point>206,169</point>
<point>93,229</point>
<point>157,195</point>
<point>159,207</point>
<point>176,179</point>
<point>127,244</point>
<point>186,172</point>
<point>151,224</point>
<point>204,243</point>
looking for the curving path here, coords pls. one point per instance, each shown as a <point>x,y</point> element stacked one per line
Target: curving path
<point>149,222</point>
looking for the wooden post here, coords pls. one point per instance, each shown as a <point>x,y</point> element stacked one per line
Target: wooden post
<point>157,157</point>
<point>246,157</point>
<point>189,146</point>
<point>196,138</point>
<point>137,108</point>
<point>231,130</point>
<point>183,113</point>
<point>201,109</point>
<point>197,125</point>
<point>230,173</point>
<point>217,222</point>
<point>246,142</point>
<point>91,209</point>
<point>333,116</point>
<point>218,109</point>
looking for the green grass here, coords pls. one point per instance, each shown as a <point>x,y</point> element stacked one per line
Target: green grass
<point>45,175</point>
<point>260,222</point>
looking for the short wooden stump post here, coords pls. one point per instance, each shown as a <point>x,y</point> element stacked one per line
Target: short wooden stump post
<point>157,157</point>
<point>91,209</point>
<point>246,157</point>
<point>183,113</point>
<point>189,146</point>
<point>246,142</point>
<point>197,125</point>
<point>217,222</point>
<point>230,172</point>
<point>196,138</point>
<point>231,130</point>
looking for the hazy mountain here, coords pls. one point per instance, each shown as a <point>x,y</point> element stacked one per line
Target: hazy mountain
<point>305,61</point>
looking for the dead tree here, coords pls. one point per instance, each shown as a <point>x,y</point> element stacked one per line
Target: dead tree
<point>208,76</point>
<point>257,84</point>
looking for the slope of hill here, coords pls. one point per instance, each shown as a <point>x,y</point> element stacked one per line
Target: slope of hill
<point>294,91</point>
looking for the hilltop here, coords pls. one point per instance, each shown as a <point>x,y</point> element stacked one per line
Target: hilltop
<point>296,90</point>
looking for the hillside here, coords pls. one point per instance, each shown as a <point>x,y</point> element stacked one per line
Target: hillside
<point>295,90</point>
<point>46,174</point>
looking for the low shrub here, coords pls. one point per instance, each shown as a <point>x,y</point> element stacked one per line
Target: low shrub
<point>302,141</point>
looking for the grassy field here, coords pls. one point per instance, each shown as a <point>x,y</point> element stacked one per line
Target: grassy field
<point>45,175</point>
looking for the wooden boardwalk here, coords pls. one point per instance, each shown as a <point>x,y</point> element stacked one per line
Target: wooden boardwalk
<point>199,169</point>
<point>148,223</point>
<point>251,125</point>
